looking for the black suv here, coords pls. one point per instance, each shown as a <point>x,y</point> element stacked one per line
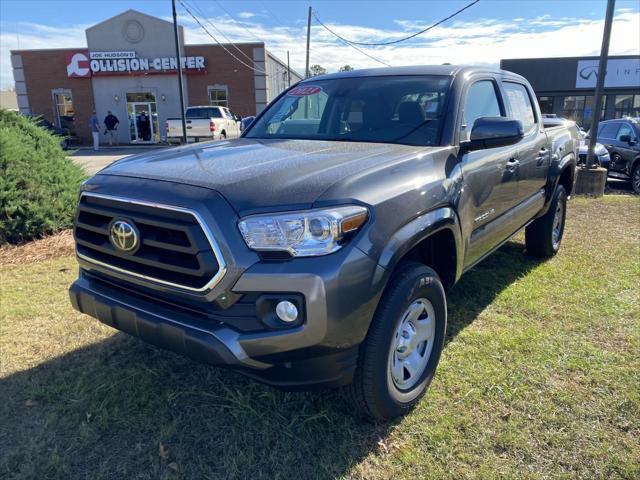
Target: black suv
<point>620,137</point>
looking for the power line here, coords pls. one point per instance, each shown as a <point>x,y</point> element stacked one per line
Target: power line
<point>347,42</point>
<point>279,68</point>
<point>402,39</point>
<point>202,14</point>
<point>216,40</point>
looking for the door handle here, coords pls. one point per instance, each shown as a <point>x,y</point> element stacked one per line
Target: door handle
<point>542,156</point>
<point>512,164</point>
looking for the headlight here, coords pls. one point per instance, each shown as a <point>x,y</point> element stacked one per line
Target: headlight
<point>302,234</point>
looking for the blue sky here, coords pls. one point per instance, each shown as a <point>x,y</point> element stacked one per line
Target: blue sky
<point>485,33</point>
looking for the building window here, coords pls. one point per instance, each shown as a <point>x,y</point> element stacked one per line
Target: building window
<point>63,110</point>
<point>627,106</point>
<point>579,108</point>
<point>546,104</point>
<point>218,95</point>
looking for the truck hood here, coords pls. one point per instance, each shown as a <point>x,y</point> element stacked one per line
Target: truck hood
<point>256,173</point>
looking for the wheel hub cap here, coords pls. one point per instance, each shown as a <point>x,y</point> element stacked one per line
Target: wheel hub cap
<point>412,344</point>
<point>558,220</point>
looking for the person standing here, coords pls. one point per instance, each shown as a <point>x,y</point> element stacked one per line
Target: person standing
<point>111,124</point>
<point>95,130</point>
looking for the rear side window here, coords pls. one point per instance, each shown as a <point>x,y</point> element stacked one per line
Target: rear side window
<point>625,130</point>
<point>481,101</point>
<point>203,112</point>
<point>520,104</point>
<point>608,130</point>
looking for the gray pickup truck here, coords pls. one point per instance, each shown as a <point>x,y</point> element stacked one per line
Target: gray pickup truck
<point>316,250</point>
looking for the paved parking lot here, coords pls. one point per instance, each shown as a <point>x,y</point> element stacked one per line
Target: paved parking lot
<point>93,161</point>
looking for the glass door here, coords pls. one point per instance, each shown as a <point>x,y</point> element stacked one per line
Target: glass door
<point>141,122</point>
<point>143,118</point>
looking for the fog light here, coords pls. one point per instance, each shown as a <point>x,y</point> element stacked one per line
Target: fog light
<point>287,311</point>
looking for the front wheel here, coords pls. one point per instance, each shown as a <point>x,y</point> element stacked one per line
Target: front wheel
<point>635,177</point>
<point>398,359</point>
<point>544,236</point>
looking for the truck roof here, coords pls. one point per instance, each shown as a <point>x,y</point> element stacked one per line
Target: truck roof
<point>446,70</point>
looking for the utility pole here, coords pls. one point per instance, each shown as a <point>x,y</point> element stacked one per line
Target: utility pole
<point>602,72</point>
<point>175,34</point>
<point>288,69</point>
<point>307,74</point>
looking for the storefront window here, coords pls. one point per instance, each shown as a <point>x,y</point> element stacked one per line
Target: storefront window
<point>143,117</point>
<point>627,106</point>
<point>218,95</point>
<point>546,104</point>
<point>580,107</point>
<point>64,111</point>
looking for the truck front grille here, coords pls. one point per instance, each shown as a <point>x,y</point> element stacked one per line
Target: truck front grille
<point>175,247</point>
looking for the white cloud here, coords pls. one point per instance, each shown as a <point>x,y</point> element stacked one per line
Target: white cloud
<point>246,14</point>
<point>482,41</point>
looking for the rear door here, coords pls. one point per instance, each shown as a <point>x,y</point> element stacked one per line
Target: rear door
<point>607,134</point>
<point>489,179</point>
<point>533,156</point>
<point>626,154</point>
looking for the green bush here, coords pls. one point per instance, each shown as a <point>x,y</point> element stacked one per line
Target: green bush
<point>38,184</point>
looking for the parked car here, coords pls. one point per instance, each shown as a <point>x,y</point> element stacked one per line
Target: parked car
<point>601,154</point>
<point>62,133</point>
<point>620,138</point>
<point>204,123</point>
<point>317,249</point>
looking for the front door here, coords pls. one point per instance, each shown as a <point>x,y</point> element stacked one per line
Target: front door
<point>141,124</point>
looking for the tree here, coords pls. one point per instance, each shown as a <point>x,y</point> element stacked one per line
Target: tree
<point>345,68</point>
<point>317,70</point>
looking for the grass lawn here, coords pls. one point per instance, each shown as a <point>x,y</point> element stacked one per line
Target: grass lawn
<point>540,378</point>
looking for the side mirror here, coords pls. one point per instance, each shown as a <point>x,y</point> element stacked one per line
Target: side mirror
<point>492,132</point>
<point>626,139</point>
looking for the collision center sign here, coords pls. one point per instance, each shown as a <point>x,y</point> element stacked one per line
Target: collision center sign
<point>83,64</point>
<point>621,72</point>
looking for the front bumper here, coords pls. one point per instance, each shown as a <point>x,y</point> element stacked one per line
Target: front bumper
<point>320,352</point>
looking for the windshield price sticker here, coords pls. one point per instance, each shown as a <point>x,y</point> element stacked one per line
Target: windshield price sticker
<point>303,91</point>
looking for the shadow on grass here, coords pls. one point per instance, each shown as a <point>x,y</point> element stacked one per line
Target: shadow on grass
<point>103,411</point>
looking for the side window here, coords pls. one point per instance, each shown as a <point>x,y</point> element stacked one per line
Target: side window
<point>520,104</point>
<point>481,101</point>
<point>608,130</point>
<point>625,130</point>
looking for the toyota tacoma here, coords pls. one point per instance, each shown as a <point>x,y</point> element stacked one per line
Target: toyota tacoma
<point>316,249</point>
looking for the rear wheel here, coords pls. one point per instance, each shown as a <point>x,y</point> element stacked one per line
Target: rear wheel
<point>398,359</point>
<point>544,236</point>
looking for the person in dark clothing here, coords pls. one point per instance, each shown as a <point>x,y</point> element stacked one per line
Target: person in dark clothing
<point>144,126</point>
<point>111,124</point>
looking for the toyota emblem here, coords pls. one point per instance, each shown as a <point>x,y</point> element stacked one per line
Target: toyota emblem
<point>124,236</point>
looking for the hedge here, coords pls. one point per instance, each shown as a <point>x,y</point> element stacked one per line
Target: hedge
<point>39,184</point>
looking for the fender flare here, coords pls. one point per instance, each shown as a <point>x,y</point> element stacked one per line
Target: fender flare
<point>555,172</point>
<point>418,230</point>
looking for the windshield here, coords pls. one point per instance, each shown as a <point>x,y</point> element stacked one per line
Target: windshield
<point>200,112</point>
<point>393,109</point>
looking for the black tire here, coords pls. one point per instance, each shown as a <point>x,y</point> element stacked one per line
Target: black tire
<point>373,392</point>
<point>539,235</point>
<point>635,177</point>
